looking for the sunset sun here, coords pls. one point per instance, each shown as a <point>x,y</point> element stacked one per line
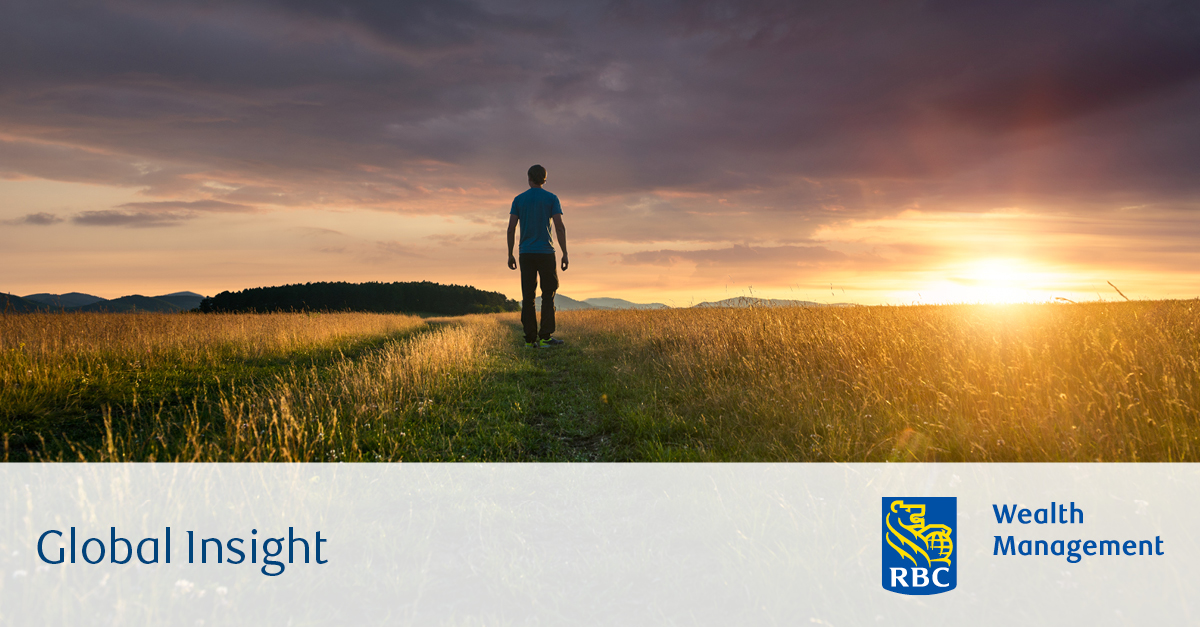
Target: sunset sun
<point>989,281</point>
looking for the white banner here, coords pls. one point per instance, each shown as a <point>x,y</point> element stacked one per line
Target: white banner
<point>587,544</point>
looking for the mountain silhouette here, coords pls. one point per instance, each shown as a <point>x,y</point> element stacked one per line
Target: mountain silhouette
<point>183,300</point>
<point>135,302</point>
<point>11,303</point>
<point>64,301</point>
<point>621,303</point>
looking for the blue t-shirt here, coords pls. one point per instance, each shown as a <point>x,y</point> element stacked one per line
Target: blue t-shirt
<point>533,210</point>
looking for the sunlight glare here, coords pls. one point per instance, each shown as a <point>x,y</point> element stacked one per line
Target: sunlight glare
<point>991,281</point>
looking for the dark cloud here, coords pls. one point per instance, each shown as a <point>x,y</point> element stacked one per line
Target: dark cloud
<point>157,213</point>
<point>1115,55</point>
<point>65,163</point>
<point>40,219</point>
<point>133,219</point>
<point>420,25</point>
<point>1065,106</point>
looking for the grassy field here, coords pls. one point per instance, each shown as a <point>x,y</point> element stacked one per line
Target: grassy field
<point>1068,382</point>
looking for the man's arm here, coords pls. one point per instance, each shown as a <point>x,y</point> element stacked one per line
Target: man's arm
<point>561,231</point>
<point>512,238</point>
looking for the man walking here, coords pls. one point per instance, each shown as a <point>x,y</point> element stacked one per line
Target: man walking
<point>535,209</point>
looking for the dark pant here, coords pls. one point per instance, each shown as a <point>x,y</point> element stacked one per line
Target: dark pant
<point>532,265</point>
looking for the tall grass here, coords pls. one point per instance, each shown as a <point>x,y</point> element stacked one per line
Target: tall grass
<point>63,355</point>
<point>57,369</point>
<point>1086,382</point>
<point>1069,382</point>
<point>364,409</point>
<point>57,339</point>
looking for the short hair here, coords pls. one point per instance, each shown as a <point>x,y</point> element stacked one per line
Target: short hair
<point>537,174</point>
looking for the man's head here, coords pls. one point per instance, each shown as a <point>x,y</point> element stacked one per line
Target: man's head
<point>537,175</point>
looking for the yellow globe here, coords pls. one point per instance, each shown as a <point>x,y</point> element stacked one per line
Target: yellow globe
<point>939,540</point>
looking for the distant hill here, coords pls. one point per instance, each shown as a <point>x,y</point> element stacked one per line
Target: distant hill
<point>76,301</point>
<point>413,297</point>
<point>11,303</point>
<point>183,300</point>
<point>620,303</point>
<point>64,301</point>
<point>750,301</point>
<point>566,303</point>
<point>136,302</point>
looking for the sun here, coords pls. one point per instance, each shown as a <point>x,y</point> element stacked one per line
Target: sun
<point>995,271</point>
<point>990,280</point>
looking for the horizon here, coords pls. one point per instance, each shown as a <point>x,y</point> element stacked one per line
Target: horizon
<point>898,153</point>
<point>748,297</point>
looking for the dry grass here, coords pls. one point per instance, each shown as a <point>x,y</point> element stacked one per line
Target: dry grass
<point>50,362</point>
<point>1103,381</point>
<point>56,339</point>
<point>353,410</point>
<point>58,370</point>
<point>1070,382</point>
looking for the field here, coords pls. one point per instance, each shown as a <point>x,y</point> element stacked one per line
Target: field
<point>1062,382</point>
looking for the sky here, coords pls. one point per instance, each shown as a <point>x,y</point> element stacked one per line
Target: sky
<point>892,152</point>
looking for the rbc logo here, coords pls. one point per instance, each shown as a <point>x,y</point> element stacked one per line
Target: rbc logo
<point>918,544</point>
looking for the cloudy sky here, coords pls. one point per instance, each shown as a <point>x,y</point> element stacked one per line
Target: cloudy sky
<point>869,152</point>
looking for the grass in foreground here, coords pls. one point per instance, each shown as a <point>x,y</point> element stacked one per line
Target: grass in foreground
<point>1086,382</point>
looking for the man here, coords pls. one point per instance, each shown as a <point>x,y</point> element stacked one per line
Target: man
<point>535,209</point>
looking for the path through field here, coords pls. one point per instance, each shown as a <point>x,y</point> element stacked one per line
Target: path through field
<point>583,399</point>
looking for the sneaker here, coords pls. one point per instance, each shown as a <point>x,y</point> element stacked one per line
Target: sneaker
<point>553,341</point>
<point>533,344</point>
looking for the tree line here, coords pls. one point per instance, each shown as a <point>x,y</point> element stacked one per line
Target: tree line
<point>412,297</point>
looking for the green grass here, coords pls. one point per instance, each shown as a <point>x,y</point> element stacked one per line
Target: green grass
<point>61,416</point>
<point>565,403</point>
<point>1090,382</point>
